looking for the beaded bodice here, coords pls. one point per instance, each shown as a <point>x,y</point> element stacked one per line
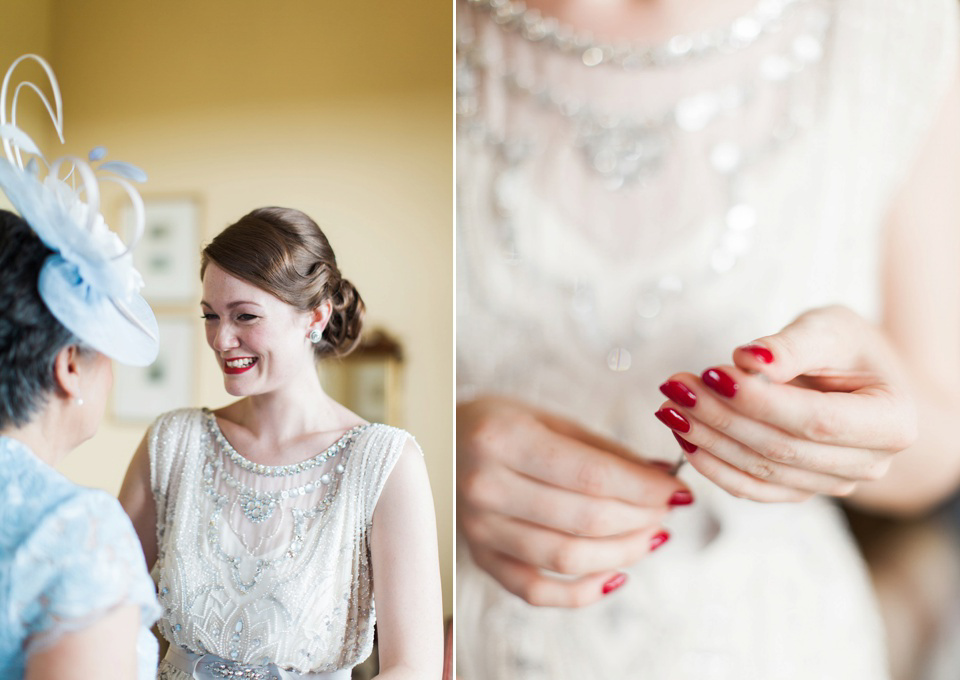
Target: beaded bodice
<point>267,564</point>
<point>628,211</point>
<point>613,199</point>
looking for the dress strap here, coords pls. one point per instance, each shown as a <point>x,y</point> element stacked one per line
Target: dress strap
<point>212,667</point>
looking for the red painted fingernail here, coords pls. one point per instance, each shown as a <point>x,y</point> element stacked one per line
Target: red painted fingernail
<point>684,444</point>
<point>672,419</point>
<point>719,382</point>
<point>614,583</point>
<point>679,392</point>
<point>761,353</point>
<point>681,497</point>
<point>658,540</point>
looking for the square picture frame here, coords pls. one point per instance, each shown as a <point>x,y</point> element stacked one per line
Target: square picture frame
<point>167,255</point>
<point>141,394</point>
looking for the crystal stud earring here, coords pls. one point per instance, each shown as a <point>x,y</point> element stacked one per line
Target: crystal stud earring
<point>316,335</point>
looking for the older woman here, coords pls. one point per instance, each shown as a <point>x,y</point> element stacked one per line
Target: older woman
<point>76,598</point>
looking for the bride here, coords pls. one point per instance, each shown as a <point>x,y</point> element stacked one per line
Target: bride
<point>752,205</point>
<point>282,526</point>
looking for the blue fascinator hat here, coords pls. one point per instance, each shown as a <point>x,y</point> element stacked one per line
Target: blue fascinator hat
<point>89,283</point>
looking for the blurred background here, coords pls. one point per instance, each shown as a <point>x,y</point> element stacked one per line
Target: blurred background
<point>342,110</point>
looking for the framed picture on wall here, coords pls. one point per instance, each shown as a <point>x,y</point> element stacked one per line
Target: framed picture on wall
<point>141,394</point>
<point>168,253</point>
<point>368,381</point>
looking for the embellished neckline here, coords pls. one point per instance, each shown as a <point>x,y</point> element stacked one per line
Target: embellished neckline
<point>630,143</point>
<point>739,33</point>
<point>280,470</point>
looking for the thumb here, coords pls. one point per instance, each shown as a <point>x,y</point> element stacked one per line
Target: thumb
<point>828,343</point>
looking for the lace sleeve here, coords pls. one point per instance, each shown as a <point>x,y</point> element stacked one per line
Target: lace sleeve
<point>82,561</point>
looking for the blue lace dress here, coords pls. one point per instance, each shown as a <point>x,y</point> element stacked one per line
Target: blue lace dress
<point>68,555</point>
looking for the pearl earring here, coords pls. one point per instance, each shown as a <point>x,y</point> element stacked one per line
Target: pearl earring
<point>78,401</point>
<point>316,335</point>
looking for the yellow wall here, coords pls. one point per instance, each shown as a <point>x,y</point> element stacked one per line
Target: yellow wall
<point>342,110</point>
<point>26,29</point>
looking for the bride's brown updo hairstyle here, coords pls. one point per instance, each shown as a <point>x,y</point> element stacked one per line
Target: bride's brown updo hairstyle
<point>284,252</point>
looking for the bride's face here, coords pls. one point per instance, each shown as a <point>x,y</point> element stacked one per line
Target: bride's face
<point>260,342</point>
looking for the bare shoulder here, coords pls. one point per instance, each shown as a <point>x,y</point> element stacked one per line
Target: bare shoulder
<point>346,419</point>
<point>408,476</point>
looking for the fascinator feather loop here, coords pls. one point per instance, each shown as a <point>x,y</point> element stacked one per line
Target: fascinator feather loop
<point>89,283</point>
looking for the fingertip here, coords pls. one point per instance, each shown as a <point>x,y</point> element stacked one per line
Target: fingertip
<point>759,352</point>
<point>684,444</point>
<point>673,419</point>
<point>542,590</point>
<point>659,539</point>
<point>678,391</point>
<point>753,359</point>
<point>614,583</point>
<point>721,381</point>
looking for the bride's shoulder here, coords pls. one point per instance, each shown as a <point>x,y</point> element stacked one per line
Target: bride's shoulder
<point>170,429</point>
<point>181,414</point>
<point>379,446</point>
<point>383,435</point>
<point>178,418</point>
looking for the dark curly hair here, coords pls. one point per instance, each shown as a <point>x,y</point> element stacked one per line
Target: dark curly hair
<point>284,252</point>
<point>30,337</point>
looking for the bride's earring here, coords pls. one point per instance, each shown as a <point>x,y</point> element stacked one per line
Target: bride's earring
<point>316,335</point>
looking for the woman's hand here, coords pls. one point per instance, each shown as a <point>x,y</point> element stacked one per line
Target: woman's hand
<point>537,492</point>
<point>816,408</point>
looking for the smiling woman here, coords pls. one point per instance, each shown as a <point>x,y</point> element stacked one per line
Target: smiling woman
<point>275,264</point>
<point>284,253</point>
<point>283,505</point>
<point>346,116</point>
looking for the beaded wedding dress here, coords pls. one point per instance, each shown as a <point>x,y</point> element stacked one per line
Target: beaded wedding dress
<point>266,564</point>
<point>629,211</point>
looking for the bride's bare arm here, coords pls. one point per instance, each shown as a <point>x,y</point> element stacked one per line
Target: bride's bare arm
<point>136,497</point>
<point>922,319</point>
<point>406,573</point>
<point>106,649</point>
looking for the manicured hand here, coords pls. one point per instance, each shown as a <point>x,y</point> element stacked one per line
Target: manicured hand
<point>816,408</point>
<point>540,496</point>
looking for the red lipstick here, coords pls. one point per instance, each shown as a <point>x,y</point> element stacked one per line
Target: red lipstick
<point>236,370</point>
